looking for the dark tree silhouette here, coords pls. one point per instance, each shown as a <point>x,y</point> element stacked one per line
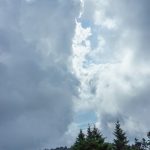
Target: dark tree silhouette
<point>80,142</point>
<point>120,141</point>
<point>92,141</point>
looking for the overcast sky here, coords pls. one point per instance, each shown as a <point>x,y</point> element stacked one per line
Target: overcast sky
<point>67,63</point>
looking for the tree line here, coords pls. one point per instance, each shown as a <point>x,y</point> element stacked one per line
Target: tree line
<point>94,140</point>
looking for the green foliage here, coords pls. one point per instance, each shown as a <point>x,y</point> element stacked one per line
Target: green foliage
<point>137,145</point>
<point>120,141</point>
<point>80,142</point>
<point>143,144</point>
<point>92,141</point>
<point>148,141</point>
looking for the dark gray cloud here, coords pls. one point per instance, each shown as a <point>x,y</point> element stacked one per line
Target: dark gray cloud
<point>36,83</point>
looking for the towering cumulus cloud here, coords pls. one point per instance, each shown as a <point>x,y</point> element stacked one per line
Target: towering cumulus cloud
<point>113,53</point>
<point>36,83</point>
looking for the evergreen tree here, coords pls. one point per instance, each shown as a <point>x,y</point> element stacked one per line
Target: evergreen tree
<point>89,133</point>
<point>136,145</point>
<point>120,141</point>
<point>148,141</point>
<point>92,141</point>
<point>97,136</point>
<point>95,140</point>
<point>80,142</point>
<point>143,144</point>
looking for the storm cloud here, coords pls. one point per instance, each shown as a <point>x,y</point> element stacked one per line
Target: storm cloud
<point>36,82</point>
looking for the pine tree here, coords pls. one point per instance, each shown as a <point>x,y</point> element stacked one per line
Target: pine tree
<point>148,141</point>
<point>80,142</point>
<point>90,140</point>
<point>95,140</point>
<point>89,133</point>
<point>137,144</point>
<point>97,136</point>
<point>120,141</point>
<point>144,144</point>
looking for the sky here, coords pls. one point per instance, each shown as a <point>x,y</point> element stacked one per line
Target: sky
<point>67,63</point>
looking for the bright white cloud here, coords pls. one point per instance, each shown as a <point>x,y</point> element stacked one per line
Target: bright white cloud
<point>115,74</point>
